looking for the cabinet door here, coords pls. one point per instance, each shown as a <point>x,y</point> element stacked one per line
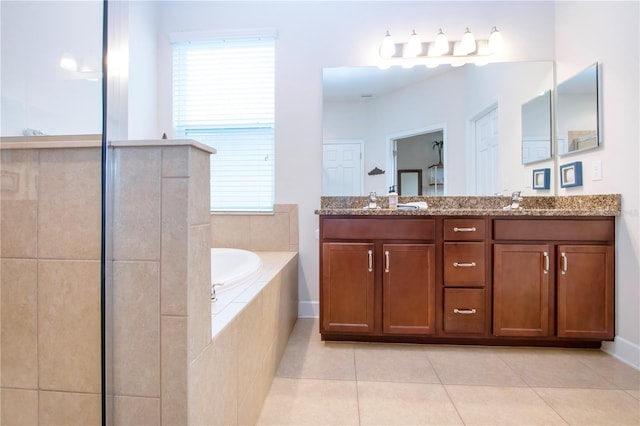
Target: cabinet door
<point>521,291</point>
<point>585,291</point>
<point>408,289</point>
<point>347,287</point>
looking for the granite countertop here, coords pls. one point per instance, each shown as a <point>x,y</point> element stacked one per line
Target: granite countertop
<point>576,205</point>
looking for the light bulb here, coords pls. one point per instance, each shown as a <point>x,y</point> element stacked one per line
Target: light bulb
<point>414,46</point>
<point>388,47</point>
<point>468,42</point>
<point>441,43</point>
<point>495,41</point>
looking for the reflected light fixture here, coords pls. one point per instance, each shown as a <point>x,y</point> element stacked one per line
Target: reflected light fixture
<point>439,51</point>
<point>468,42</point>
<point>388,47</point>
<point>68,62</point>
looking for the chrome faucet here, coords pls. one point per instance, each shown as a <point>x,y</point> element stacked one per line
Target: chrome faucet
<point>516,198</point>
<point>373,198</point>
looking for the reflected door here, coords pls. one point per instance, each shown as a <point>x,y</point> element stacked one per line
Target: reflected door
<point>342,168</point>
<point>487,154</point>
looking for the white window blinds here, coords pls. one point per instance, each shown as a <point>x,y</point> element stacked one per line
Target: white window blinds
<point>223,95</point>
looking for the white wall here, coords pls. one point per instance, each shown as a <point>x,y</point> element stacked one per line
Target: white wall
<point>584,31</point>
<point>313,35</point>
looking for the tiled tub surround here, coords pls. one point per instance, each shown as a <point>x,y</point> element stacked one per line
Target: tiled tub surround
<point>577,205</point>
<point>250,328</point>
<point>50,280</point>
<point>277,231</point>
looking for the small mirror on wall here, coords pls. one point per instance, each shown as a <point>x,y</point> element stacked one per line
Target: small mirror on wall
<point>536,129</point>
<point>577,112</point>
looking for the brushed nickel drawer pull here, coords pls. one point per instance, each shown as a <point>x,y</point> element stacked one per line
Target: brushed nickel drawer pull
<point>386,258</point>
<point>370,260</point>
<point>564,263</point>
<point>464,265</point>
<point>464,311</point>
<point>472,229</point>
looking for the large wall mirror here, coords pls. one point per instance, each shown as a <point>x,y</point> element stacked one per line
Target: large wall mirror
<point>536,128</point>
<point>461,126</point>
<point>577,112</point>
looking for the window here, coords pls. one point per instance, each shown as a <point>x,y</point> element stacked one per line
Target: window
<point>223,96</point>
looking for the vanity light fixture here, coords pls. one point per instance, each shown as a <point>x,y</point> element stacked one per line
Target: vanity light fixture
<point>495,40</point>
<point>468,42</point>
<point>439,51</point>
<point>388,47</point>
<point>441,43</point>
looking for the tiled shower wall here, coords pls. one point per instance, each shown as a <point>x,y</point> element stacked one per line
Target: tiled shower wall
<point>161,279</point>
<point>50,285</point>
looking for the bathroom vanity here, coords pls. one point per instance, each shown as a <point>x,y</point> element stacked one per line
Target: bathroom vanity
<point>467,271</point>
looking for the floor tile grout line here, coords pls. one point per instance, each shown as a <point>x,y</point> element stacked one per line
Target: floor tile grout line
<point>549,405</point>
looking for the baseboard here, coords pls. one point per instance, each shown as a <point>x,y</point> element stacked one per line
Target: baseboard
<point>624,350</point>
<point>308,309</point>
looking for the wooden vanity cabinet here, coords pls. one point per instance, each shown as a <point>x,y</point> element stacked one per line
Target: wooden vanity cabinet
<point>377,276</point>
<point>465,304</point>
<point>555,279</point>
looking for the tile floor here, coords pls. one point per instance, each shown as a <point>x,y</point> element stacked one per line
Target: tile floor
<point>381,384</point>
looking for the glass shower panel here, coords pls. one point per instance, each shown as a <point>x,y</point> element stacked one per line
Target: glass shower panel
<point>51,125</point>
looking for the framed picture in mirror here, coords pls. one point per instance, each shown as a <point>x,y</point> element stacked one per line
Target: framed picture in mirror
<point>571,174</point>
<point>542,178</point>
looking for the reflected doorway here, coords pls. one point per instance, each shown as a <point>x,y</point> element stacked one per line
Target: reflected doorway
<point>342,165</point>
<point>419,150</point>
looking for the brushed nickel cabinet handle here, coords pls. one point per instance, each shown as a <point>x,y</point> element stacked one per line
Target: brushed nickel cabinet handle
<point>370,260</point>
<point>472,229</point>
<point>546,262</point>
<point>564,263</point>
<point>386,258</point>
<point>464,265</point>
<point>464,311</point>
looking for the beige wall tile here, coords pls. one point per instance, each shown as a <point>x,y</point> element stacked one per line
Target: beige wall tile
<point>174,370</point>
<point>199,196</point>
<point>18,407</point>
<point>19,333</point>
<point>136,330</point>
<point>136,204</point>
<point>18,227</point>
<point>65,408</point>
<point>18,201</point>
<point>223,398</point>
<point>287,305</point>
<point>69,208</point>
<point>251,351</point>
<point>175,161</point>
<point>69,325</point>
<point>19,174</point>
<point>201,386</point>
<point>136,411</point>
<point>270,232</point>
<point>175,245</point>
<point>199,293</point>
<point>231,231</point>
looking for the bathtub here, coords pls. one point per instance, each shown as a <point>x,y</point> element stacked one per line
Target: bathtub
<point>232,267</point>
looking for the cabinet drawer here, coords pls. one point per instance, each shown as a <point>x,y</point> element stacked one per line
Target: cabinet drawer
<point>378,228</point>
<point>464,229</point>
<point>464,310</point>
<point>554,229</point>
<point>464,264</point>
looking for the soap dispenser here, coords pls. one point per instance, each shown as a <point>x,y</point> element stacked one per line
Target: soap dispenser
<point>393,198</point>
